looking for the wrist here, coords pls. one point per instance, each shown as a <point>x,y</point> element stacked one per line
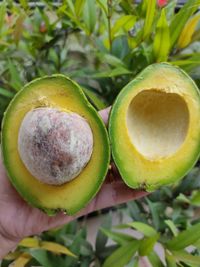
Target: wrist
<point>7,245</point>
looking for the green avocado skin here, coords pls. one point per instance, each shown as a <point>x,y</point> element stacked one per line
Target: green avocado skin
<point>103,164</point>
<point>132,180</point>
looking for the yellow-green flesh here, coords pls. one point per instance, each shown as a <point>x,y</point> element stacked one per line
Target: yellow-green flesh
<point>57,92</point>
<point>155,127</point>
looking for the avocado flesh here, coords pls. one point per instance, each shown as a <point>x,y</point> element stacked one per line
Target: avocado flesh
<point>154,127</point>
<point>59,92</point>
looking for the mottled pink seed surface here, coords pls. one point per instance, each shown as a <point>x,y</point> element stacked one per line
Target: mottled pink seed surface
<point>55,146</point>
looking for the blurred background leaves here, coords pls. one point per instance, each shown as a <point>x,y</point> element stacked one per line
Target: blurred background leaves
<point>103,44</point>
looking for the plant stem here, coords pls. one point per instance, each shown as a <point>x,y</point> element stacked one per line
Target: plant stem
<point>109,4</point>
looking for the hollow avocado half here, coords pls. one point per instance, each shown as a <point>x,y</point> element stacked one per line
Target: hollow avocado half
<point>56,91</point>
<point>154,127</point>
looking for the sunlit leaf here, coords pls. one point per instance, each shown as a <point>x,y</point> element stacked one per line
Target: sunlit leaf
<point>112,60</point>
<point>50,246</point>
<point>121,256</point>
<point>12,255</point>
<point>24,4</point>
<point>172,227</point>
<point>145,229</point>
<point>112,73</point>
<point>186,258</point>
<point>147,245</point>
<point>162,39</point>
<point>188,31</point>
<point>125,22</point>
<point>56,248</point>
<point>103,5</point>
<point>150,13</point>
<point>18,30</point>
<point>119,238</point>
<point>2,14</point>
<point>22,260</point>
<point>79,4</point>
<point>179,21</point>
<point>89,15</point>
<point>185,238</point>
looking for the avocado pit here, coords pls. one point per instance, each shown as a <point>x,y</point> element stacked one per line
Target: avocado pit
<point>55,146</point>
<point>157,123</point>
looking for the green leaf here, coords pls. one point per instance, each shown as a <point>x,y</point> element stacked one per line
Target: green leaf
<point>112,73</point>
<point>143,228</point>
<point>155,260</point>
<point>89,15</point>
<point>185,238</point>
<point>112,60</point>
<point>121,256</point>
<point>172,227</point>
<point>6,93</point>
<point>2,14</point>
<point>46,259</point>
<point>186,258</point>
<point>18,29</point>
<point>124,23</point>
<point>180,19</point>
<point>24,4</point>
<point>188,31</point>
<point>79,5</point>
<point>119,238</point>
<point>155,211</point>
<point>15,79</point>
<point>94,99</point>
<point>150,13</point>
<point>101,239</point>
<point>195,198</point>
<point>161,43</point>
<point>147,245</point>
<point>171,261</point>
<point>103,5</point>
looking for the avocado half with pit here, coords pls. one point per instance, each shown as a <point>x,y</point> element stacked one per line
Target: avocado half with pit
<point>55,146</point>
<point>154,127</point>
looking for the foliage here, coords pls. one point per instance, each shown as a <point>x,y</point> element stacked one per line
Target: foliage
<point>103,45</point>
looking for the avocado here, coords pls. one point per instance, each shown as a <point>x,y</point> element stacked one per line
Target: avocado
<point>55,146</point>
<point>154,127</point>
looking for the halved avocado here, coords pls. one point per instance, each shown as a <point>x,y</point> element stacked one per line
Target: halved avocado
<point>56,91</point>
<point>154,127</point>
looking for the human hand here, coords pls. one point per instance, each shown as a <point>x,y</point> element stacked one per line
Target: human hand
<point>18,219</point>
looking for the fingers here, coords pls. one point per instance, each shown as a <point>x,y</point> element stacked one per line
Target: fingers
<point>104,113</point>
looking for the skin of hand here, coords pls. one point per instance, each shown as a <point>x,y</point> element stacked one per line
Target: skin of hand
<point>19,220</point>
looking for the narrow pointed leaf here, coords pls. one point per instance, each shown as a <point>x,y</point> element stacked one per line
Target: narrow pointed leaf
<point>30,242</point>
<point>18,30</point>
<point>147,245</point>
<point>185,238</point>
<point>155,260</point>
<point>161,43</point>
<point>172,227</point>
<point>89,15</point>
<point>143,228</point>
<point>188,31</point>
<point>123,23</point>
<point>119,238</point>
<point>2,14</point>
<point>122,256</point>
<point>6,93</point>
<point>181,19</point>
<point>22,260</point>
<point>97,101</point>
<point>186,258</point>
<point>150,13</point>
<point>56,248</point>
<point>171,261</point>
<point>79,5</point>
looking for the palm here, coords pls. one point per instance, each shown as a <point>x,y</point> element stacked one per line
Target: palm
<point>18,219</point>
